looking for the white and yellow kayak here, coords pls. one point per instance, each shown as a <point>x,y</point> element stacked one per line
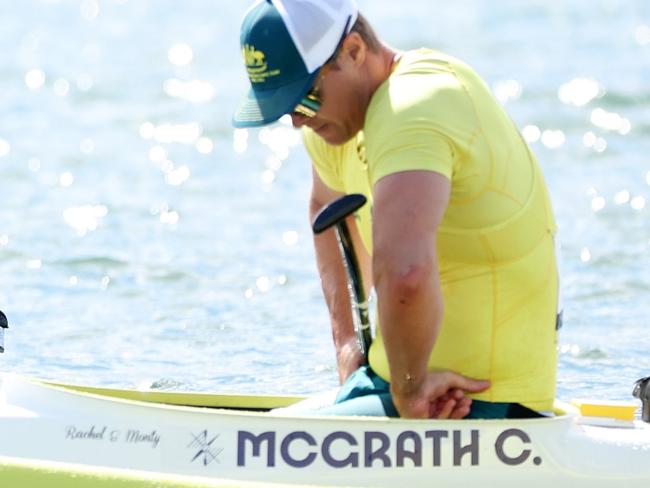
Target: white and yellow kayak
<point>64,435</point>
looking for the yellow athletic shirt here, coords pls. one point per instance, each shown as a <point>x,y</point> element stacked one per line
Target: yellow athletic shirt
<point>495,243</point>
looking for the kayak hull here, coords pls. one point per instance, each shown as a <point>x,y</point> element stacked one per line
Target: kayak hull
<point>60,431</point>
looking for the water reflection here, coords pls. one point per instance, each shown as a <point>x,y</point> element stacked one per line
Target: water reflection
<point>87,146</point>
<point>531,133</point>
<point>290,238</point>
<point>593,141</point>
<point>240,140</point>
<point>610,121</point>
<point>268,177</point>
<point>622,197</point>
<point>280,139</point>
<point>165,214</point>
<point>61,87</point>
<point>91,51</point>
<point>177,176</point>
<point>642,35</point>
<point>580,91</point>
<point>638,203</point>
<point>581,353</point>
<point>106,280</point>
<point>172,133</point>
<point>5,148</point>
<point>194,91</point>
<point>34,164</point>
<point>89,9</point>
<point>66,179</point>
<point>204,145</point>
<point>147,130</point>
<point>34,264</point>
<point>263,284</point>
<point>553,139</point>
<point>34,79</point>
<point>157,154</point>
<point>180,54</point>
<point>273,163</point>
<point>598,203</point>
<point>84,82</point>
<point>506,91</point>
<point>85,218</point>
<point>169,217</point>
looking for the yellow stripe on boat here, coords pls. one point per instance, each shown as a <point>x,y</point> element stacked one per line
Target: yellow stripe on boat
<point>608,409</point>
<point>187,399</point>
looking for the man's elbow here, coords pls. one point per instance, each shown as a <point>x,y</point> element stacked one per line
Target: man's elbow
<point>406,280</point>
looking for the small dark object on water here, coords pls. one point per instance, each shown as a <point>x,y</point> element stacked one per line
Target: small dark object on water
<point>642,391</point>
<point>3,325</point>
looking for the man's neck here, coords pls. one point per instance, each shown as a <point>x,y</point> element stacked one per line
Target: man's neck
<point>381,66</point>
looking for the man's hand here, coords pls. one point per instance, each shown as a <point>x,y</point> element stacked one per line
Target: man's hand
<point>348,359</point>
<point>439,394</point>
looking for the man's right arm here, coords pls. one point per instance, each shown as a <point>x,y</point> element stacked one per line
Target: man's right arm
<point>334,280</point>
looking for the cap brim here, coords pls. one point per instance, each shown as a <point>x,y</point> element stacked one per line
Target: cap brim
<point>262,107</point>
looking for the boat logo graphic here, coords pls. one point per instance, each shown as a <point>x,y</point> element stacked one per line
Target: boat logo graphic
<point>207,452</point>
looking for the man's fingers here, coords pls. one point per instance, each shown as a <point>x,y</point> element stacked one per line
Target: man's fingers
<point>447,409</point>
<point>460,413</point>
<point>455,380</point>
<point>462,409</point>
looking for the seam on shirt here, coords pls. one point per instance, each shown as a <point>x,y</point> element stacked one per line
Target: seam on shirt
<point>472,140</point>
<point>506,194</point>
<point>478,131</point>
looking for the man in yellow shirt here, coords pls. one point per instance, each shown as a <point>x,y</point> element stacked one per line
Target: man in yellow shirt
<point>458,239</point>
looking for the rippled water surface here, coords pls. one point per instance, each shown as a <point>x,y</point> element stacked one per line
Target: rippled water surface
<point>143,242</point>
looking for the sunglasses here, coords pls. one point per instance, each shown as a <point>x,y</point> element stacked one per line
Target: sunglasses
<point>310,104</point>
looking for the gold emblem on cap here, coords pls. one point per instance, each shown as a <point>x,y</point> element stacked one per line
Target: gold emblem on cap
<point>258,69</point>
<point>253,57</point>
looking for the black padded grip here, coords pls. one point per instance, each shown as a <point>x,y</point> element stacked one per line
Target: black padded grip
<point>334,212</point>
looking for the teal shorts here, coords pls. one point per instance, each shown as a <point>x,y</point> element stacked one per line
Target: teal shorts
<point>365,393</point>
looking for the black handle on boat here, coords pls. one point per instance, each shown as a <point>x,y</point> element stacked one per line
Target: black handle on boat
<point>642,392</point>
<point>334,214</point>
<point>3,325</point>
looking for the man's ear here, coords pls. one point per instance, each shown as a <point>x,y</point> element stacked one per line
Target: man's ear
<point>354,49</point>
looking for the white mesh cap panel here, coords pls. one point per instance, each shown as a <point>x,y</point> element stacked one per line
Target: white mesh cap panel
<point>316,26</point>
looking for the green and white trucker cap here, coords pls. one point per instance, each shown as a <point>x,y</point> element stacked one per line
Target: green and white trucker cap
<point>285,43</point>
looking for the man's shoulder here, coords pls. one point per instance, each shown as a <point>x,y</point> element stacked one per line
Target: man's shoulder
<point>426,85</point>
<point>422,87</point>
<point>425,61</point>
<point>424,76</point>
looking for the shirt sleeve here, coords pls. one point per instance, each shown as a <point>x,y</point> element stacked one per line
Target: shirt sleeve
<point>411,149</point>
<point>417,123</point>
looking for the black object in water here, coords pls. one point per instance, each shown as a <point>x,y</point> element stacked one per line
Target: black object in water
<point>642,391</point>
<point>3,325</point>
